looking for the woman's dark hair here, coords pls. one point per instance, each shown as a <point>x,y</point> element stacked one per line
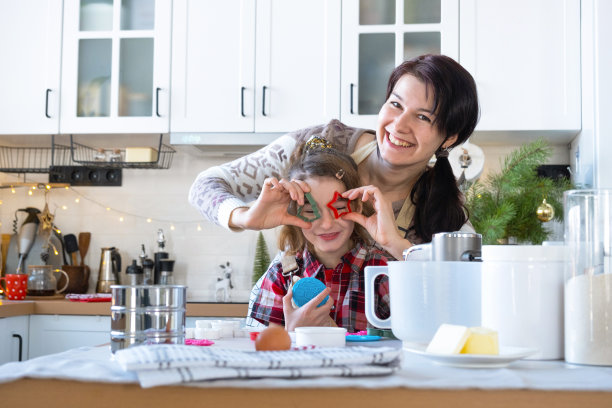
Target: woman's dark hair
<point>436,197</point>
<point>319,162</point>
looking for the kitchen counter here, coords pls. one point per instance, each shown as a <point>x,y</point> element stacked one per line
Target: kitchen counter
<point>97,380</point>
<point>10,308</point>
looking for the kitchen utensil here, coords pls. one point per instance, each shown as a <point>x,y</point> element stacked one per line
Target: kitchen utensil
<point>110,266</point>
<point>6,239</point>
<point>588,276</point>
<point>522,296</point>
<point>72,247</point>
<point>84,240</point>
<point>42,282</point>
<point>147,315</point>
<point>447,246</point>
<point>16,285</point>
<point>424,295</point>
<point>27,235</point>
<point>78,281</point>
<point>159,255</point>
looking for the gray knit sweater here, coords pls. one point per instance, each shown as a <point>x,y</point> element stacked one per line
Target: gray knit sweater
<point>216,192</point>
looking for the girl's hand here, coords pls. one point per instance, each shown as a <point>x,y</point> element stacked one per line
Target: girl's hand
<point>270,208</point>
<point>309,314</point>
<point>380,225</point>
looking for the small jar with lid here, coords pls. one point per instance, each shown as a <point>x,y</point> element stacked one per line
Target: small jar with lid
<point>134,274</point>
<point>167,272</point>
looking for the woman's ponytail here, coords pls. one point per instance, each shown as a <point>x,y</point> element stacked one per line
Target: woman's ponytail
<point>437,201</point>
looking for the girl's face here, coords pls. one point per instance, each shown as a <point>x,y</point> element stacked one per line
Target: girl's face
<point>328,235</point>
<point>406,135</point>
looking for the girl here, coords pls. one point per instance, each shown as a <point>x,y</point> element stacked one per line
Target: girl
<point>330,248</point>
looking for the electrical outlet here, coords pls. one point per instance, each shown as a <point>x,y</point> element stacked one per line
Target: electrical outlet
<point>86,176</point>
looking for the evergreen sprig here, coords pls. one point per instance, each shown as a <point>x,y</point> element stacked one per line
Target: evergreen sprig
<point>262,258</point>
<point>505,204</point>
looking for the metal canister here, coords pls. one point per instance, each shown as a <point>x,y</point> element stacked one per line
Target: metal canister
<point>147,314</point>
<point>448,246</point>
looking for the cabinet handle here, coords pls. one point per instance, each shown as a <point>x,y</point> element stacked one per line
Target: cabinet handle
<point>20,345</point>
<point>242,101</point>
<point>157,102</point>
<point>47,108</point>
<point>263,102</point>
<point>351,104</point>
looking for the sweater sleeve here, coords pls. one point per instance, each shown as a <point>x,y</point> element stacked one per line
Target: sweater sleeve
<point>219,190</point>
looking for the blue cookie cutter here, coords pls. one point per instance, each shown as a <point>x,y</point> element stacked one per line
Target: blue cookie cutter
<point>306,289</point>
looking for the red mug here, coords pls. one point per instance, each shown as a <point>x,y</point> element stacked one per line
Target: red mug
<point>16,286</point>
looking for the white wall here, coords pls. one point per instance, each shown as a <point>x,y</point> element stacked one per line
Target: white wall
<point>162,196</point>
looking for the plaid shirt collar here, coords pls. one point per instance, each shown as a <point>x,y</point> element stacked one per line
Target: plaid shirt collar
<point>311,265</point>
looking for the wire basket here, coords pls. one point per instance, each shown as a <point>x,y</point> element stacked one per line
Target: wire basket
<point>33,159</point>
<point>86,155</point>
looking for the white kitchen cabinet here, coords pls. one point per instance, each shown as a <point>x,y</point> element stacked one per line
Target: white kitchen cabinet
<point>13,339</point>
<point>525,58</point>
<point>378,35</point>
<point>30,40</point>
<point>254,66</point>
<point>55,333</point>
<point>116,66</point>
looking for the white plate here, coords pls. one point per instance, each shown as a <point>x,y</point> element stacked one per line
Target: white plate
<point>506,356</point>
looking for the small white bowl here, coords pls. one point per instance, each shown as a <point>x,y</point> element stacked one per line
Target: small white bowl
<point>320,336</point>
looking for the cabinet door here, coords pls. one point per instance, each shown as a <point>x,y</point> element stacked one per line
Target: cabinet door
<point>30,40</point>
<point>525,58</point>
<point>116,66</point>
<point>213,57</point>
<point>13,339</point>
<point>377,36</point>
<point>53,333</point>
<point>297,64</point>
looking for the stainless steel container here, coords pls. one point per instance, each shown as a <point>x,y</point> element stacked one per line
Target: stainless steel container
<point>448,246</point>
<point>144,314</point>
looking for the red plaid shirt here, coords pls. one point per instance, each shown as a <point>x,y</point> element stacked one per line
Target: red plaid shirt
<point>346,284</point>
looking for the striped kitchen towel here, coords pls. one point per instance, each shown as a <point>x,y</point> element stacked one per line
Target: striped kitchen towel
<point>173,364</point>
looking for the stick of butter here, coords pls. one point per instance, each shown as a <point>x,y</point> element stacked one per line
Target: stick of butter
<point>449,339</point>
<point>481,341</point>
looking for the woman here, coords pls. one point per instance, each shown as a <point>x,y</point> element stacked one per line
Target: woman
<point>431,106</point>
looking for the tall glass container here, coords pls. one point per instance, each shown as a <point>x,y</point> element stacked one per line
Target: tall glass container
<point>588,277</point>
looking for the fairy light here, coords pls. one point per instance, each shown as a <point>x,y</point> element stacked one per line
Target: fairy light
<point>108,208</point>
<point>12,189</point>
<point>172,227</point>
<point>48,187</point>
<point>64,207</point>
<point>77,200</point>
<point>149,220</point>
<point>120,219</point>
<point>29,192</point>
<point>199,227</point>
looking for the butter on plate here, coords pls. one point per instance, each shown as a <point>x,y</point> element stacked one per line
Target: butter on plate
<point>140,154</point>
<point>456,339</point>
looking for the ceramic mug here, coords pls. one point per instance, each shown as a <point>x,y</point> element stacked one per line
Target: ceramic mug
<point>424,295</point>
<point>16,286</point>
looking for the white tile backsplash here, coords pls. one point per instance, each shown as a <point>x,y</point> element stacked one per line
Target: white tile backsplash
<point>162,196</point>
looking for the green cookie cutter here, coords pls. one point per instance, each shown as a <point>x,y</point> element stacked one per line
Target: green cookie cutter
<point>315,209</point>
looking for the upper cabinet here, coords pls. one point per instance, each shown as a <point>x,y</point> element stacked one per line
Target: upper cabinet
<point>254,66</point>
<point>116,66</point>
<point>378,35</point>
<point>525,58</point>
<point>30,40</point>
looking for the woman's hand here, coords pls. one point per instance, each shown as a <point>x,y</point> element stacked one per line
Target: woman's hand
<point>270,208</point>
<point>380,225</point>
<point>308,314</point>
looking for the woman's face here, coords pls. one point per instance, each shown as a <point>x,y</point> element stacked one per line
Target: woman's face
<point>327,235</point>
<point>406,135</point>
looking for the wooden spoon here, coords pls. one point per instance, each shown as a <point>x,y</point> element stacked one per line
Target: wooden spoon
<point>84,240</point>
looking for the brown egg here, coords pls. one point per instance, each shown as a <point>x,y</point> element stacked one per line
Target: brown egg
<point>273,338</point>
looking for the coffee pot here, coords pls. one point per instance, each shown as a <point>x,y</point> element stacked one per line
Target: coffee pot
<point>42,282</point>
<point>110,266</point>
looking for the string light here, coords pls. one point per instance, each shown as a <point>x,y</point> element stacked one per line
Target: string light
<point>121,214</point>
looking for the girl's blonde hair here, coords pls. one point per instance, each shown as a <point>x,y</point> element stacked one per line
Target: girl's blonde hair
<point>320,160</point>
